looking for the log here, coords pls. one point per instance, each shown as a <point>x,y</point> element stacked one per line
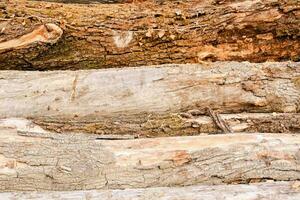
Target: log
<point>155,100</point>
<point>48,36</point>
<point>267,191</point>
<point>33,161</point>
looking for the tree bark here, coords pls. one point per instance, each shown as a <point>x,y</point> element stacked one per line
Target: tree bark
<point>161,100</point>
<point>51,161</point>
<point>89,1</point>
<point>267,191</point>
<point>47,36</point>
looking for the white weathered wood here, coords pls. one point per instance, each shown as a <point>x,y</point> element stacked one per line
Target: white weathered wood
<point>51,161</point>
<point>223,85</point>
<point>117,98</point>
<point>266,191</point>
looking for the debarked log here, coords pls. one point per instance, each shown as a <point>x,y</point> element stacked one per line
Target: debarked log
<point>48,36</point>
<point>267,191</point>
<point>155,99</point>
<point>53,161</point>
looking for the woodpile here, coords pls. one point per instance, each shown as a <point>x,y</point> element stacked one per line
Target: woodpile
<point>119,99</point>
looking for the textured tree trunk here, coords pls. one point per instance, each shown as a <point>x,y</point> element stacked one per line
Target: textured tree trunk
<point>267,191</point>
<point>161,100</point>
<point>44,35</point>
<point>39,160</point>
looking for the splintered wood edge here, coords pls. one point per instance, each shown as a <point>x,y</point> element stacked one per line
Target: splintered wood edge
<point>47,33</point>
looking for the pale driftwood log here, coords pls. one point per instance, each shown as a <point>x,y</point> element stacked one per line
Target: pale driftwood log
<point>150,100</point>
<point>147,33</point>
<point>38,160</point>
<point>266,191</point>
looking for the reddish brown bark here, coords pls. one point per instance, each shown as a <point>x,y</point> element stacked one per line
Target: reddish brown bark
<point>115,35</point>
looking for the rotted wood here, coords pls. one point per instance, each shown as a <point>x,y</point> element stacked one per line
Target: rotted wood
<point>242,122</point>
<point>84,36</point>
<point>51,161</point>
<point>155,100</point>
<point>267,191</point>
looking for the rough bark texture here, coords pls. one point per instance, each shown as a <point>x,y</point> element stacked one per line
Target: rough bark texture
<point>89,1</point>
<point>161,100</point>
<point>51,161</point>
<point>115,35</point>
<point>266,191</point>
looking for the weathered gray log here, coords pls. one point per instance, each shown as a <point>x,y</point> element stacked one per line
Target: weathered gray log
<point>150,100</point>
<point>39,160</point>
<point>147,33</point>
<point>266,191</point>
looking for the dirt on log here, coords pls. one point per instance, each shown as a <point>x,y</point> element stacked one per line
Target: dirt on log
<point>48,36</point>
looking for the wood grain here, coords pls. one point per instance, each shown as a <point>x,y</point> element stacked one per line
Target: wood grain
<point>152,100</point>
<point>50,161</point>
<point>267,191</point>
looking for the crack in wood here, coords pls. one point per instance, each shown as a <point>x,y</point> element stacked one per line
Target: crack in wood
<point>74,85</point>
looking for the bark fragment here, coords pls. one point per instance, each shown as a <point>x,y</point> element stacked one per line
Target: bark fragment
<point>48,33</point>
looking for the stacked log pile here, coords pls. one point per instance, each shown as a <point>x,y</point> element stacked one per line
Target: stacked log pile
<point>150,99</point>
